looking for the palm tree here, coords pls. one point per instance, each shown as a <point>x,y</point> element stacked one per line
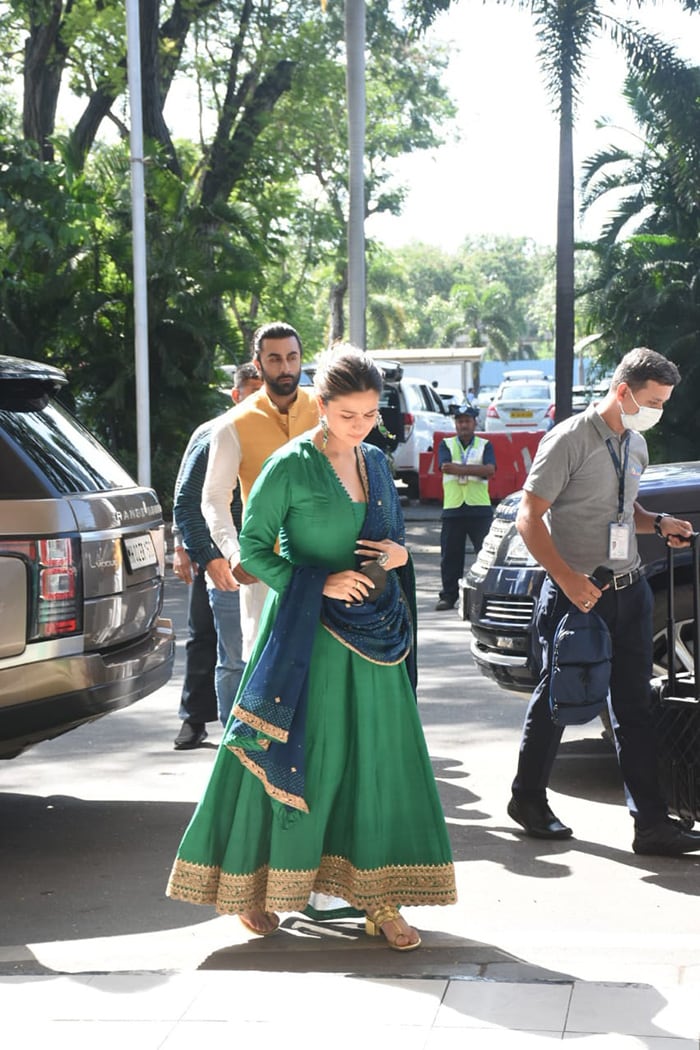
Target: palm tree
<point>488,317</point>
<point>655,181</point>
<point>647,289</point>
<point>566,30</point>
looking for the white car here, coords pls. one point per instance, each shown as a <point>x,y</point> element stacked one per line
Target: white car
<point>450,396</point>
<point>521,405</point>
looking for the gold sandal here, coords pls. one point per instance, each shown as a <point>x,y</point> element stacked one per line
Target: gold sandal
<point>256,929</point>
<point>383,915</point>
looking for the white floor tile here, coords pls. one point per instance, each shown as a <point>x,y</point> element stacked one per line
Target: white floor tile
<point>87,1035</point>
<point>634,1010</point>
<point>500,1004</point>
<point>116,997</point>
<point>364,1003</point>
<point>491,1039</point>
<point>338,1036</point>
<point>615,1041</point>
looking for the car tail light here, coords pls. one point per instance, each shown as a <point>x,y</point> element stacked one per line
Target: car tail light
<point>492,412</point>
<point>55,607</point>
<point>409,421</point>
<point>551,413</point>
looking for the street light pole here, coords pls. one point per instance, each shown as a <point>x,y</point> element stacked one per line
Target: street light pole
<point>355,87</point>
<point>138,235</point>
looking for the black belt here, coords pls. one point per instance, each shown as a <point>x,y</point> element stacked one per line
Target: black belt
<point>625,579</point>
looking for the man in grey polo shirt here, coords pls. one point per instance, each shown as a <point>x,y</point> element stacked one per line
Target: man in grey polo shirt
<point>579,513</point>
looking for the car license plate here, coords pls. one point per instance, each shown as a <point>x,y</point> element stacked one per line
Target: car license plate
<point>139,551</point>
<point>520,413</point>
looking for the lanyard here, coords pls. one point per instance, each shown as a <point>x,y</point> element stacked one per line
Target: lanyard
<point>620,470</point>
<point>466,452</point>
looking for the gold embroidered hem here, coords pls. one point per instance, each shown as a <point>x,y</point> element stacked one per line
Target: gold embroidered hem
<point>261,726</point>
<point>287,891</point>
<point>247,758</point>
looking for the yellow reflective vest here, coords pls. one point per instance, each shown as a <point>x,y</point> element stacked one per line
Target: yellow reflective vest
<point>471,490</point>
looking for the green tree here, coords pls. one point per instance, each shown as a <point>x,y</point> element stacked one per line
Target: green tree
<point>234,235</point>
<point>646,289</point>
<point>566,30</point>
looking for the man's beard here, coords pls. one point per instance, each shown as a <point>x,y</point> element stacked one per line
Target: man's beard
<point>283,386</point>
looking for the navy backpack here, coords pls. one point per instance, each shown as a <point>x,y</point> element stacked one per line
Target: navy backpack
<point>581,660</point>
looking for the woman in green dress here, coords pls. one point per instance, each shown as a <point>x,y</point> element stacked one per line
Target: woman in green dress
<point>323,782</point>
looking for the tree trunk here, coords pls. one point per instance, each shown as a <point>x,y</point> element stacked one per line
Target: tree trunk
<point>154,126</point>
<point>336,301</point>
<point>230,154</point>
<point>564,323</point>
<point>44,62</point>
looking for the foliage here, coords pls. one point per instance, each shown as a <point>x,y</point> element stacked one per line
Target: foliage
<point>566,30</point>
<point>485,294</point>
<point>647,287</point>
<point>245,225</point>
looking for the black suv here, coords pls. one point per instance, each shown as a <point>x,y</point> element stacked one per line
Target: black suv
<point>500,590</point>
<point>82,562</point>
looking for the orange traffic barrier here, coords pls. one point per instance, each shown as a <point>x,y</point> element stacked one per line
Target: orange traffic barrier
<point>514,455</point>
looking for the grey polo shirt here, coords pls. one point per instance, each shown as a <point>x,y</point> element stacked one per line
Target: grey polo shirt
<point>574,471</point>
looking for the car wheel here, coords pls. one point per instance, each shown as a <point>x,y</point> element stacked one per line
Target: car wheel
<point>683,630</point>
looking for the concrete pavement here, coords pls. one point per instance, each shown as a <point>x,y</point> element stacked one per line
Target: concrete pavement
<point>579,939</point>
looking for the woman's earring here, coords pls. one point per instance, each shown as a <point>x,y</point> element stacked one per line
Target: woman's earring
<point>324,432</point>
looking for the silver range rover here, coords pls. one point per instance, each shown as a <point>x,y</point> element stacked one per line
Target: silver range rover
<point>82,562</point>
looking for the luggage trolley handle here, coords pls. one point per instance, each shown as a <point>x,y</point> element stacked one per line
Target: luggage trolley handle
<point>671,616</point>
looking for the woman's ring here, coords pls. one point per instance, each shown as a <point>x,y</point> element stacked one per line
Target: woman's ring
<point>382,559</point>
<point>586,605</point>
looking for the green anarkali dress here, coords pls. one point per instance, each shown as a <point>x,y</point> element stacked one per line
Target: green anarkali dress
<point>375,833</point>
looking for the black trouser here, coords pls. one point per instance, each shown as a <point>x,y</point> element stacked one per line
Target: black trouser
<point>198,700</point>
<point>475,523</point>
<point>628,614</point>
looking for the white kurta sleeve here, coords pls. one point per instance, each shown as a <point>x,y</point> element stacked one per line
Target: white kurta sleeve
<point>217,491</point>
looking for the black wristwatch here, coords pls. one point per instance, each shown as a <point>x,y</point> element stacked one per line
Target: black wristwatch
<point>657,524</point>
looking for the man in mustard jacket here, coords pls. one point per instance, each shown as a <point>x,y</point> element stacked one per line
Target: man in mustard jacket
<point>241,441</point>
<point>467,461</point>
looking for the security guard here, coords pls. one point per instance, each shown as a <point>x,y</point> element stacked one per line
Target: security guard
<point>467,462</point>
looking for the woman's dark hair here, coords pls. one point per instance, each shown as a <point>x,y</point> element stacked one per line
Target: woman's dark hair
<point>346,370</point>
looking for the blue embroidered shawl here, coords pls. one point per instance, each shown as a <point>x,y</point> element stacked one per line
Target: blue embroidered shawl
<point>268,729</point>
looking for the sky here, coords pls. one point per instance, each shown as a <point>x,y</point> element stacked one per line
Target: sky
<point>500,177</point>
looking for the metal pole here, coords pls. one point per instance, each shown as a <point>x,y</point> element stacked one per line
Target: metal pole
<point>138,234</point>
<point>355,81</point>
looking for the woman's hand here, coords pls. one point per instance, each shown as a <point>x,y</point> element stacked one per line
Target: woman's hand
<point>348,586</point>
<point>375,550</point>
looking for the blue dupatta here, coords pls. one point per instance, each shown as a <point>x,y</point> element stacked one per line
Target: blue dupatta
<point>268,727</point>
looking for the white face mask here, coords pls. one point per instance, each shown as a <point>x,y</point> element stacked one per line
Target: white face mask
<point>642,420</point>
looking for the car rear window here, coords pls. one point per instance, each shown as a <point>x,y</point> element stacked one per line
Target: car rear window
<point>60,450</point>
<point>525,393</point>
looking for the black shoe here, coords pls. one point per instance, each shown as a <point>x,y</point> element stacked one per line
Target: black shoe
<point>666,839</point>
<point>191,735</point>
<point>443,605</point>
<point>537,819</point>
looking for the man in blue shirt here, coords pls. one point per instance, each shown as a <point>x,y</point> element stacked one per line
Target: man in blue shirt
<point>467,462</point>
<point>213,661</point>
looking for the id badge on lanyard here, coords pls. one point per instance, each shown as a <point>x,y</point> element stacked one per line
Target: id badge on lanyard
<point>619,532</point>
<point>464,479</point>
<point>618,542</point>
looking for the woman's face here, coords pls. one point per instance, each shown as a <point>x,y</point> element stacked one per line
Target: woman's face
<point>352,416</point>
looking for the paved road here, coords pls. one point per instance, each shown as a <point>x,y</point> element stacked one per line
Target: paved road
<point>90,823</point>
